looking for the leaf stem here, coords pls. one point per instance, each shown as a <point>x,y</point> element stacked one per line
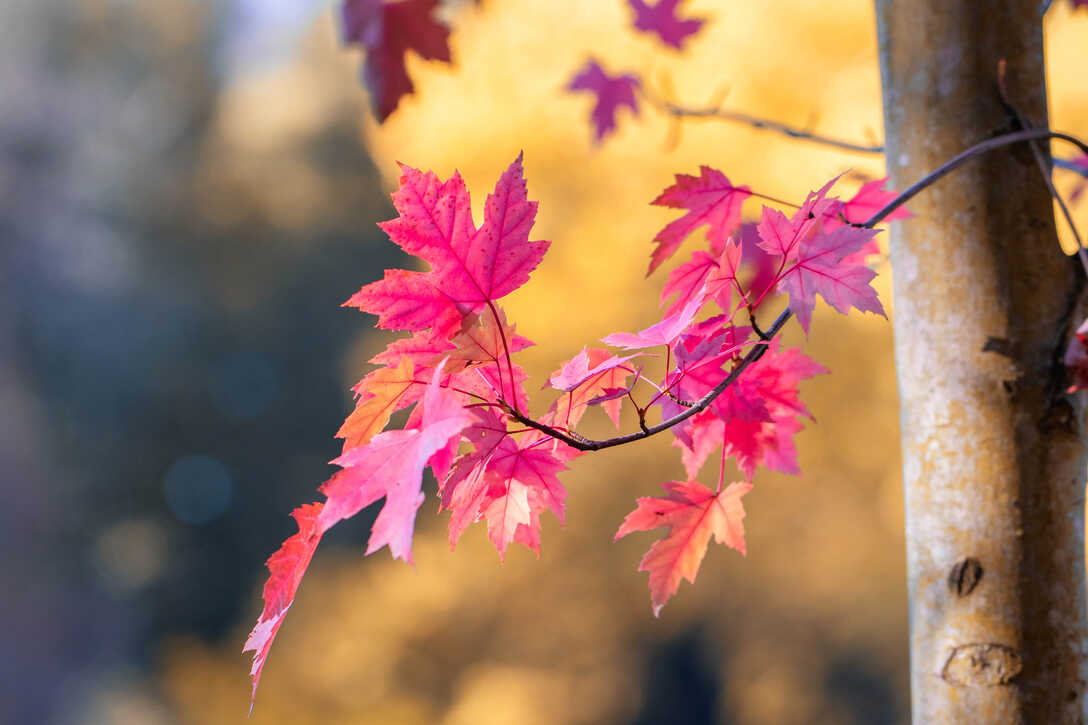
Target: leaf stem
<point>506,352</point>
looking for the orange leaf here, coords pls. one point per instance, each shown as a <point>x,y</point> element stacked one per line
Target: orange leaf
<point>693,514</point>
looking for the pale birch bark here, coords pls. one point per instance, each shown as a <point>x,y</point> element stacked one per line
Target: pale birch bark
<point>993,449</point>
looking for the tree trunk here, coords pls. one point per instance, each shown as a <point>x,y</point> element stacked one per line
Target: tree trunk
<point>993,449</point>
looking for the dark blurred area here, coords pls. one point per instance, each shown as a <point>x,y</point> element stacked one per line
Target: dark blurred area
<point>179,227</point>
<point>171,348</point>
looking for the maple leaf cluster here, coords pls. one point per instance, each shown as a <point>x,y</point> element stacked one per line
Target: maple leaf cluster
<point>469,421</point>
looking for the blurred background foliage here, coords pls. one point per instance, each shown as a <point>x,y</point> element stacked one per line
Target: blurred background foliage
<point>189,192</point>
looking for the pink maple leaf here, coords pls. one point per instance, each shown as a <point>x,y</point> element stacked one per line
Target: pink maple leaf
<point>604,375</point>
<point>688,280</point>
<point>693,514</point>
<point>754,418</point>
<point>721,281</point>
<point>609,396</point>
<point>387,30</point>
<point>710,342</point>
<point>505,481</point>
<point>711,199</point>
<point>612,92</point>
<point>662,20</point>
<point>819,269</point>
<point>421,348</point>
<point>870,199</point>
<point>390,466</point>
<point>522,482</point>
<point>463,491</point>
<point>470,267</point>
<point>578,370</point>
<point>662,333</point>
<point>781,236</point>
<point>718,275</point>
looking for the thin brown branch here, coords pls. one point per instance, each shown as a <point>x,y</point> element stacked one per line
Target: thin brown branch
<point>587,444</point>
<point>765,124</point>
<point>716,111</point>
<point>977,150</point>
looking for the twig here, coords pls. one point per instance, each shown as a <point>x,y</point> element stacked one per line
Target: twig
<point>678,401</point>
<point>715,111</point>
<point>586,444</point>
<point>976,150</point>
<point>755,326</point>
<point>765,124</point>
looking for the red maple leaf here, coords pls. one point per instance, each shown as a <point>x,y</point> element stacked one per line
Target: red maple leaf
<point>611,91</point>
<point>710,199</point>
<point>464,489</point>
<point>1076,359</point>
<point>661,333</point>
<point>507,482</point>
<point>819,268</point>
<point>781,236</point>
<point>754,418</point>
<point>470,267</point>
<point>592,377</point>
<point>421,348</point>
<point>693,514</point>
<point>387,30</point>
<point>522,481</point>
<point>390,466</point>
<point>578,370</point>
<point>286,568</point>
<point>687,281</point>
<point>662,20</point>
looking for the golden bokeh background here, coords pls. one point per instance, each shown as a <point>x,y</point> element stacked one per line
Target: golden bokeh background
<point>810,626</point>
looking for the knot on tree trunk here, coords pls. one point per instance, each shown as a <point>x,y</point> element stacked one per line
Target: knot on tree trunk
<point>981,664</point>
<point>965,576</point>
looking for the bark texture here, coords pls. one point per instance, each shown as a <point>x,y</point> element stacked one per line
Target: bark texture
<point>993,449</point>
